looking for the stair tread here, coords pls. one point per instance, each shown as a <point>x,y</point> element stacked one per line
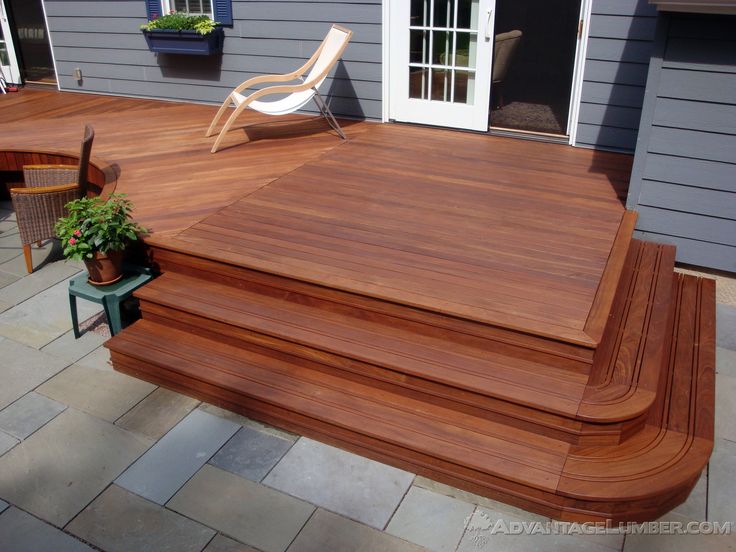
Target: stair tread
<point>481,444</point>
<point>522,381</point>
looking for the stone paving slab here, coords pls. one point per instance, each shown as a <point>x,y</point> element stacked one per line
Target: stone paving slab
<point>480,537</point>
<point>6,278</point>
<point>155,415</point>
<point>726,362</point>
<point>251,513</point>
<point>329,532</point>
<point>106,395</point>
<point>429,519</point>
<point>161,472</point>
<point>695,507</point>
<point>22,369</point>
<point>27,414</point>
<point>119,521</point>
<point>251,454</point>
<point>3,506</point>
<point>721,482</point>
<point>223,544</point>
<point>7,442</point>
<point>99,359</point>
<point>725,407</point>
<point>59,469</point>
<point>15,263</point>
<point>44,317</point>
<point>726,326</point>
<point>247,422</point>
<point>40,280</point>
<point>680,543</point>
<point>21,532</point>
<point>343,482</point>
<point>71,349</point>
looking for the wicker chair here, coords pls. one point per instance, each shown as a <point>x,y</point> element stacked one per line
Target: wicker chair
<point>47,189</point>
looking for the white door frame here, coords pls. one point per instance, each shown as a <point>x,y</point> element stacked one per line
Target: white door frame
<point>13,71</point>
<point>579,68</point>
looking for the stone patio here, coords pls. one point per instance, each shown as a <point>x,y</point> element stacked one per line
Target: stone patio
<point>91,459</point>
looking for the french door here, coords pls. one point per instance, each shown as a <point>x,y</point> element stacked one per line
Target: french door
<point>8,61</point>
<point>440,62</point>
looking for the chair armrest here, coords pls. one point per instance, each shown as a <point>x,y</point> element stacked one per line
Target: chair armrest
<point>278,89</point>
<point>282,78</point>
<point>44,189</point>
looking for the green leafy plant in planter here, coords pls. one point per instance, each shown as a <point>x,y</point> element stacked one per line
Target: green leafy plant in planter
<point>97,232</point>
<point>182,21</point>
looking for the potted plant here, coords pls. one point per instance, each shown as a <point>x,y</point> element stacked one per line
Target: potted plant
<point>181,33</point>
<point>96,232</point>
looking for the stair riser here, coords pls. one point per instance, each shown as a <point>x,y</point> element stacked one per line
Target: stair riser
<point>513,415</point>
<point>528,498</point>
<point>491,338</point>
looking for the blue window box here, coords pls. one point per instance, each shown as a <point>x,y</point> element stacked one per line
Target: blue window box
<point>169,41</point>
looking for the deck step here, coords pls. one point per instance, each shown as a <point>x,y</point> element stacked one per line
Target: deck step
<point>508,384</point>
<point>638,479</point>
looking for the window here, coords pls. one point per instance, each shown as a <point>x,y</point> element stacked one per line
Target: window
<point>195,7</point>
<point>219,10</point>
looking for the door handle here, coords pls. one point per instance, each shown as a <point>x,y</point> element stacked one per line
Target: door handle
<point>488,24</point>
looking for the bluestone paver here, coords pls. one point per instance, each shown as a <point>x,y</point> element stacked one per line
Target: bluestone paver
<point>726,326</point>
<point>432,520</point>
<point>7,442</point>
<point>251,453</point>
<point>159,473</point>
<point>21,532</point>
<point>695,507</point>
<point>484,535</point>
<point>50,253</point>
<point>330,532</point>
<point>157,413</point>
<point>3,505</point>
<point>38,281</point>
<point>223,544</point>
<point>340,481</point>
<point>250,512</point>
<point>42,318</point>
<point>71,349</point>
<point>22,369</point>
<point>725,362</point>
<point>721,481</point>
<point>119,521</point>
<point>99,359</point>
<point>6,278</point>
<point>725,407</point>
<point>27,414</point>
<point>107,395</point>
<point>59,469</point>
<point>248,422</point>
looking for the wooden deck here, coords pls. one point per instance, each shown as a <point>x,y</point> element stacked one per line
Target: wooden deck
<point>479,300</point>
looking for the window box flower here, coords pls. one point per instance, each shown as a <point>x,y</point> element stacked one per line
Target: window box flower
<point>181,33</point>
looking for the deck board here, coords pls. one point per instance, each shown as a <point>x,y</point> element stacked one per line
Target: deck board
<point>506,232</point>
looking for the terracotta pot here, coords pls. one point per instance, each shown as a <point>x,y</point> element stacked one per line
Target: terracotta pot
<point>105,268</point>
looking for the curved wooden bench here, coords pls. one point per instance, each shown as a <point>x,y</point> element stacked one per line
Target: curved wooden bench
<point>102,176</point>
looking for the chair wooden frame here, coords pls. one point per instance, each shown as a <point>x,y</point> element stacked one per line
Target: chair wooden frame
<point>312,82</point>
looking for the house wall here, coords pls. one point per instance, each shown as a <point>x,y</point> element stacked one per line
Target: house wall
<point>620,43</point>
<point>103,39</point>
<point>684,178</point>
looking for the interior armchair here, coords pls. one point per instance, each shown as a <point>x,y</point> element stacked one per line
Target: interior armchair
<point>47,188</point>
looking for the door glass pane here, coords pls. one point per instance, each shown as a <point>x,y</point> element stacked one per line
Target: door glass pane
<point>419,13</point>
<point>464,87</point>
<point>418,82</point>
<point>419,47</point>
<point>443,13</point>
<point>467,14</point>
<point>467,48</point>
<point>33,42</point>
<point>4,60</point>
<point>441,48</point>
<point>441,82</point>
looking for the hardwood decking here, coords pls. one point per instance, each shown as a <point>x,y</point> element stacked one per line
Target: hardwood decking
<point>470,308</point>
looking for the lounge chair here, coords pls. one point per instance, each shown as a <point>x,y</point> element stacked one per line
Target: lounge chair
<point>299,94</point>
<point>40,203</point>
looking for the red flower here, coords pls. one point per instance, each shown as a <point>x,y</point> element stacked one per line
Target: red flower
<point>72,241</point>
<point>172,12</point>
<point>77,233</point>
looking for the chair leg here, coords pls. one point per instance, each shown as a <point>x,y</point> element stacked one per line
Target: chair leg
<point>327,114</point>
<point>228,124</point>
<point>220,113</point>
<point>29,257</point>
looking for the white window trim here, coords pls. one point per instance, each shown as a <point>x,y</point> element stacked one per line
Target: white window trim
<point>168,5</point>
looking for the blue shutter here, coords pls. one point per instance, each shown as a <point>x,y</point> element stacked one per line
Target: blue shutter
<point>223,11</point>
<point>153,9</point>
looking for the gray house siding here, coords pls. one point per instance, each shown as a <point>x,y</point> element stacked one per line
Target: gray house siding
<point>684,178</point>
<point>615,74</point>
<point>102,38</point>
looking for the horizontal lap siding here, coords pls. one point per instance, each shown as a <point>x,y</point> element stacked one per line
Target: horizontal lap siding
<point>616,64</point>
<point>103,39</point>
<point>684,177</point>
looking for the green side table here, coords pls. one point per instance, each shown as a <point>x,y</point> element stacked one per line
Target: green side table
<point>109,296</point>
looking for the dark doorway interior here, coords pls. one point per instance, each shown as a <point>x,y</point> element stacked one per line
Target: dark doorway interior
<point>31,41</point>
<point>534,95</point>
